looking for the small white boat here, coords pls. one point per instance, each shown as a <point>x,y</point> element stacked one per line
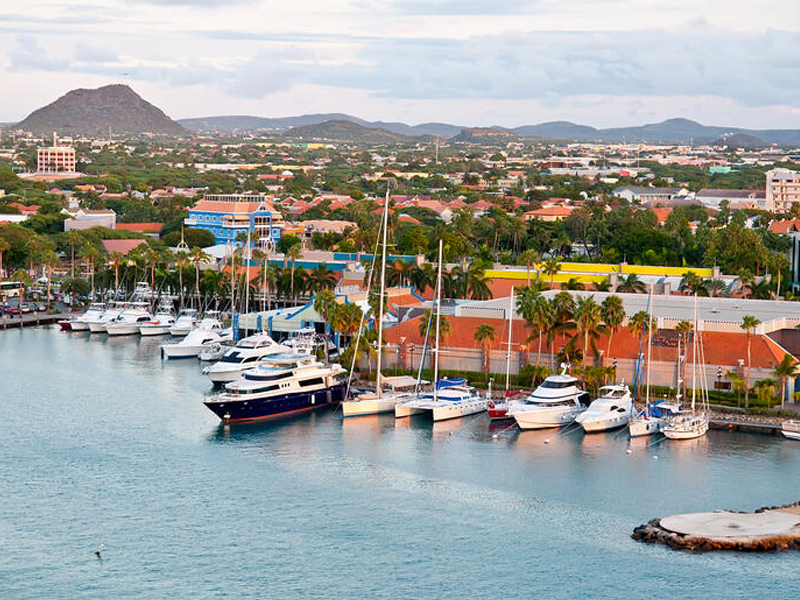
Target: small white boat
<point>191,345</point>
<point>92,315</point>
<point>129,321</point>
<point>611,410</point>
<point>159,325</point>
<point>99,326</point>
<point>448,402</point>
<point>555,403</point>
<point>186,321</point>
<point>243,356</point>
<point>214,352</point>
<point>686,425</point>
<point>649,420</point>
<point>791,429</point>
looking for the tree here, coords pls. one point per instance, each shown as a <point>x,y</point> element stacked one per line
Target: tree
<point>73,238</point>
<point>531,257</point>
<point>588,316</point>
<point>551,267</point>
<point>49,260</point>
<point>197,255</point>
<point>613,313</point>
<point>737,383</point>
<point>572,284</point>
<point>693,283</point>
<point>716,287</point>
<point>485,336</point>
<point>788,367</point>
<point>22,277</point>
<point>444,325</point>
<point>116,258</point>
<point>293,253</point>
<point>325,304</point>
<point>181,258</point>
<point>683,329</point>
<point>75,286</point>
<point>631,285</point>
<point>92,254</point>
<point>4,247</point>
<point>286,242</point>
<point>749,324</point>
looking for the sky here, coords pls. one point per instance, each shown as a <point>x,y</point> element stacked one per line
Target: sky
<point>468,62</point>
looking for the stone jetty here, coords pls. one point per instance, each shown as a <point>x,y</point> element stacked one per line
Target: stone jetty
<point>767,529</point>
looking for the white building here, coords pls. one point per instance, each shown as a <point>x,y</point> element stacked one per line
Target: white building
<point>783,189</point>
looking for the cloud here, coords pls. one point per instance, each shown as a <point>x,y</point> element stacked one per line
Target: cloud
<point>463,7</point>
<point>93,54</point>
<point>30,55</point>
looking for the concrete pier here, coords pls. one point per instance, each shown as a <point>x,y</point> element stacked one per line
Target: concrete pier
<point>768,529</point>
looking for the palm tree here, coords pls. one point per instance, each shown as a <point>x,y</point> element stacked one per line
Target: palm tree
<point>444,325</point>
<point>603,285</point>
<point>116,258</point>
<point>788,367</point>
<point>49,260</point>
<point>693,283</point>
<point>737,383</point>
<point>749,324</point>
<point>551,267</point>
<point>637,323</point>
<point>632,285</point>
<point>573,284</point>
<point>294,253</point>
<point>531,257</point>
<point>683,328</point>
<point>73,238</point>
<point>325,304</point>
<point>4,247</point>
<point>716,287</point>
<point>588,316</point>
<point>422,277</point>
<point>181,258</point>
<point>92,254</point>
<point>197,255</point>
<point>761,290</point>
<point>485,336</point>
<point>613,313</point>
<point>23,278</point>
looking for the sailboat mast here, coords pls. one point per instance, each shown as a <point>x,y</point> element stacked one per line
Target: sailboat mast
<point>378,387</point>
<point>438,314</point>
<point>649,346</point>
<point>510,323</point>
<point>694,355</point>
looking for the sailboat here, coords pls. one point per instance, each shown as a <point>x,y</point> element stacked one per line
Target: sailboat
<point>451,398</point>
<point>379,400</point>
<point>691,424</point>
<point>498,411</point>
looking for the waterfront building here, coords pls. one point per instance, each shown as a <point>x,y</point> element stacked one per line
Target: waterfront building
<point>228,215</point>
<point>783,189</point>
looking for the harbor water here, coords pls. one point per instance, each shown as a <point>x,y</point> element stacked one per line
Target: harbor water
<point>103,443</point>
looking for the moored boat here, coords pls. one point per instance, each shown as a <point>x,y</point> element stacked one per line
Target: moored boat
<point>242,357</point>
<point>611,409</point>
<point>186,321</point>
<point>93,314</point>
<point>192,344</point>
<point>555,403</point>
<point>129,320</point>
<point>791,429</point>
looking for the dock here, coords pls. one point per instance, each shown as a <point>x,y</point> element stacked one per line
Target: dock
<point>767,428</point>
<point>31,320</point>
<point>768,529</point>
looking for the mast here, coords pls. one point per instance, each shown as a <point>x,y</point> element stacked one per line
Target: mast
<point>248,258</point>
<point>694,355</point>
<point>378,387</point>
<point>649,346</point>
<point>438,314</point>
<point>510,323</point>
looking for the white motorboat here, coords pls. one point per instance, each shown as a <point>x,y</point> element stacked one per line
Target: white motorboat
<point>555,403</point>
<point>791,429</point>
<point>159,325</point>
<point>192,344</point>
<point>214,352</point>
<point>129,321</point>
<point>451,400</point>
<point>186,321</point>
<point>111,313</point>
<point>243,357</point>
<point>611,409</point>
<point>92,315</point>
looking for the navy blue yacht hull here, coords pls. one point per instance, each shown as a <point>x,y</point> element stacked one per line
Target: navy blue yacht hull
<point>277,407</point>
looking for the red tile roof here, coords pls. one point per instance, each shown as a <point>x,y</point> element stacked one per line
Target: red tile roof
<point>141,227</point>
<point>123,246</point>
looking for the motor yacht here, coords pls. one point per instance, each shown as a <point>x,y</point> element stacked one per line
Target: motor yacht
<point>555,403</point>
<point>186,321</point>
<point>93,314</point>
<point>192,344</point>
<point>109,314</point>
<point>279,387</point>
<point>452,399</point>
<point>611,409</point>
<point>244,356</point>
<point>129,320</point>
<point>159,325</point>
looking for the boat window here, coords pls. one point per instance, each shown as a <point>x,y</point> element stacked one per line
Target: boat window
<point>614,408</point>
<point>309,382</point>
<point>231,357</point>
<point>260,377</point>
<point>556,384</point>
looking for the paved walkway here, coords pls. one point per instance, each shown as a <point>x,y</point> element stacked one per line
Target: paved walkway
<point>723,524</point>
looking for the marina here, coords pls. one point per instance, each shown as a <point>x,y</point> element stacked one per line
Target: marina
<point>131,459</point>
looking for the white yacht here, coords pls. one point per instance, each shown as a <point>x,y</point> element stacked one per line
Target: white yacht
<point>650,419</point>
<point>279,387</point>
<point>452,399</point>
<point>791,429</point>
<point>555,403</point>
<point>129,320</point>
<point>92,315</point>
<point>244,356</point>
<point>109,314</point>
<point>186,321</point>
<point>159,325</point>
<point>611,410</point>
<point>192,344</point>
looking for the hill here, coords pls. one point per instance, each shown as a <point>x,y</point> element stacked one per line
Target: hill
<point>95,111</point>
<point>556,129</point>
<point>346,131</point>
<point>486,135</point>
<point>744,141</point>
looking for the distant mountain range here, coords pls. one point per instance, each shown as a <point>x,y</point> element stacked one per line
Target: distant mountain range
<point>668,131</point>
<point>116,108</point>
<point>347,131</point>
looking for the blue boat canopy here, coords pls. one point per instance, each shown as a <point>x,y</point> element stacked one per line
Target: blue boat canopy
<point>445,383</point>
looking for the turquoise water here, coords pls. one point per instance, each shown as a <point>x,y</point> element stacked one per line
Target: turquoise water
<point>102,443</point>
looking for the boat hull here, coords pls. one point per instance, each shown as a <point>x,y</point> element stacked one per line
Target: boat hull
<point>276,407</point>
<point>545,419</point>
<point>179,351</point>
<point>689,433</point>
<point>79,326</point>
<point>643,427</point>
<point>402,410</point>
<point>154,330</point>
<point>97,327</point>
<point>66,325</point>
<point>604,425</point>
<point>372,406</point>
<point>122,329</point>
<point>456,410</point>
<point>180,331</point>
<point>792,435</point>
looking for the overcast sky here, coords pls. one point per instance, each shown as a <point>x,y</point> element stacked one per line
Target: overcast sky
<point>468,62</point>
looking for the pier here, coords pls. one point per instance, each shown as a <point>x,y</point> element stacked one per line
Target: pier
<point>767,529</point>
<point>31,319</point>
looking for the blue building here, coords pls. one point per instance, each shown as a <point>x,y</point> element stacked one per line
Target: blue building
<point>227,215</point>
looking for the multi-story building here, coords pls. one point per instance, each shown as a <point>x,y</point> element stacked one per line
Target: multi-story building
<point>783,189</point>
<point>228,215</point>
<point>55,159</point>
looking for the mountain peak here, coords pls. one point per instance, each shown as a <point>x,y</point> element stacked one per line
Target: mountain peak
<point>116,107</point>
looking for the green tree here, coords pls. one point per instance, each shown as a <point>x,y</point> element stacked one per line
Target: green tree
<point>788,367</point>
<point>612,312</point>
<point>485,335</point>
<point>749,324</point>
<point>551,267</point>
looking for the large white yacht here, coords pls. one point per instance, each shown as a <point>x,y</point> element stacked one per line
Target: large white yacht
<point>279,387</point>
<point>555,403</point>
<point>109,314</point>
<point>129,320</point>
<point>244,356</point>
<point>192,344</point>
<point>186,321</point>
<point>611,410</point>
<point>451,399</point>
<point>92,315</point>
<point>159,325</point>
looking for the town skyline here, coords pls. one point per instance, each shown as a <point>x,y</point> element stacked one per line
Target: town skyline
<point>449,61</point>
